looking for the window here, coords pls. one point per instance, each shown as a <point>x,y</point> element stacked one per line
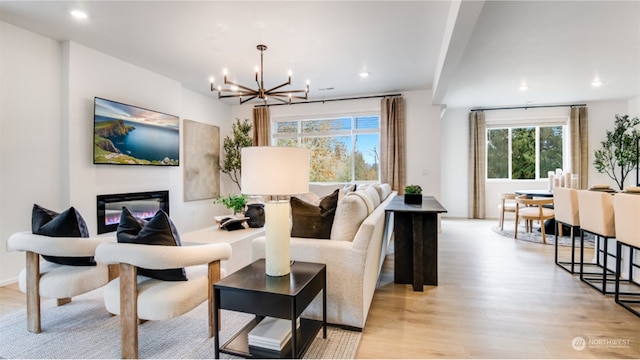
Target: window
<point>525,152</point>
<point>342,148</point>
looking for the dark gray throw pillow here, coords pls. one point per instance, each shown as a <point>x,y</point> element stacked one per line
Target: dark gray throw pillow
<point>68,223</point>
<point>159,230</point>
<point>310,221</point>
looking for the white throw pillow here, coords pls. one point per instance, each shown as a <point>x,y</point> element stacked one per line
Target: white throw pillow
<point>351,212</point>
<point>385,191</point>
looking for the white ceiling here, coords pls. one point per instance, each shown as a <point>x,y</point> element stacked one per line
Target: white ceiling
<point>478,59</point>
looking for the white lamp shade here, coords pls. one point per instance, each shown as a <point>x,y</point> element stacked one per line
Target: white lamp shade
<point>275,170</point>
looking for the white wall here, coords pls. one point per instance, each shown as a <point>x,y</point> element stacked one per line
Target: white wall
<point>47,126</point>
<point>455,146</point>
<point>422,131</point>
<point>30,134</point>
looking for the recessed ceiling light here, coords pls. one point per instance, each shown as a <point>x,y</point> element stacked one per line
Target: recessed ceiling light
<point>364,74</point>
<point>596,83</point>
<point>524,87</point>
<point>79,14</point>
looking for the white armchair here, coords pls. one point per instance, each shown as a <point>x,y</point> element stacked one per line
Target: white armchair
<point>51,280</point>
<point>136,297</point>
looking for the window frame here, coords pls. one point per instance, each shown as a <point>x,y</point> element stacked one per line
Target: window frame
<point>536,123</point>
<point>353,132</point>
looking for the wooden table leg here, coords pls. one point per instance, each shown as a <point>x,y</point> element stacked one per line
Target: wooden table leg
<point>418,251</point>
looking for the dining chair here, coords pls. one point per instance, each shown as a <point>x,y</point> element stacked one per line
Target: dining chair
<point>530,210</point>
<point>565,207</point>
<point>596,214</point>
<point>507,204</point>
<point>627,208</point>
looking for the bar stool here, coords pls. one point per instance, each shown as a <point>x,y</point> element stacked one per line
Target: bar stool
<point>596,217</point>
<point>627,208</point>
<point>565,203</point>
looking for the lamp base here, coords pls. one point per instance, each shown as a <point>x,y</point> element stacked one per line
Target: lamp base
<point>277,234</point>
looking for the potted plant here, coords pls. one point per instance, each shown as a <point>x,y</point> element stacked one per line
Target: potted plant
<point>232,147</point>
<point>234,202</point>
<point>617,155</point>
<point>413,194</point>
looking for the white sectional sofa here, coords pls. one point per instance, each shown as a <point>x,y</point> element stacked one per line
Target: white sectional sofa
<point>353,255</point>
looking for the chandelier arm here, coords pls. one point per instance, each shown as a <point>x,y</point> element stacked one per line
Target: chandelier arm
<point>279,98</point>
<point>242,101</point>
<point>277,87</point>
<point>234,95</point>
<point>285,92</point>
<point>241,87</point>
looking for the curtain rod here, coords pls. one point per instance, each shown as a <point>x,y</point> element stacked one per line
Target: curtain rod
<point>328,100</point>
<point>528,107</point>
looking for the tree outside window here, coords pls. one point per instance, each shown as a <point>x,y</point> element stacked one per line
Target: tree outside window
<point>524,153</point>
<point>342,149</point>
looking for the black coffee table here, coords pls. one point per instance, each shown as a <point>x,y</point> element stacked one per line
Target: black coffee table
<point>250,290</point>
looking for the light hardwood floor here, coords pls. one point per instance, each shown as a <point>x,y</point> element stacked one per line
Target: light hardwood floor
<point>497,298</point>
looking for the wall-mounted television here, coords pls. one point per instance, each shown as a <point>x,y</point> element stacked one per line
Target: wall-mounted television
<point>130,135</point>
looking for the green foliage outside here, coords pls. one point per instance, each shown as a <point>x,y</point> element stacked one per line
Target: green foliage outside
<point>550,149</point>
<point>498,154</point>
<point>330,157</point>
<point>523,152</point>
<point>231,148</point>
<point>617,155</point>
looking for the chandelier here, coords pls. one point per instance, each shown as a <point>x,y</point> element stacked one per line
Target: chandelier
<point>246,93</point>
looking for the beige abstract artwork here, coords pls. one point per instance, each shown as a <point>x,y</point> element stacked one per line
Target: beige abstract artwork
<point>201,160</point>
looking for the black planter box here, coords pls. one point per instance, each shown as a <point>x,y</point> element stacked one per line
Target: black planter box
<point>413,199</point>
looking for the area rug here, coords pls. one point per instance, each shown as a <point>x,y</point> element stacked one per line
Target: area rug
<point>83,329</point>
<point>536,236</point>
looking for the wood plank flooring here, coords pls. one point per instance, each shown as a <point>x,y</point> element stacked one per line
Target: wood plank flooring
<point>497,298</point>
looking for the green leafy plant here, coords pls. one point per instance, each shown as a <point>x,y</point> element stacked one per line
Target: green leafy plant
<point>232,147</point>
<point>234,202</point>
<point>412,189</point>
<point>617,155</point>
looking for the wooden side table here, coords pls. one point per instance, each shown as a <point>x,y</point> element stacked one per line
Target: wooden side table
<point>415,228</point>
<point>250,290</point>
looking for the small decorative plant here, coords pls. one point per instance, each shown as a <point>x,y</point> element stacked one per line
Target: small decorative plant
<point>234,202</point>
<point>617,155</point>
<point>413,194</point>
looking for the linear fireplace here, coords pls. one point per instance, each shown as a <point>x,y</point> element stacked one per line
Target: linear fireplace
<point>142,205</point>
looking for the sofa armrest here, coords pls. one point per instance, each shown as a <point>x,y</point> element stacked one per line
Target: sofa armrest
<point>162,257</point>
<point>56,246</point>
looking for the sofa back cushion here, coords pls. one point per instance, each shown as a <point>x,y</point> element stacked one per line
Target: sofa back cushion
<point>351,212</point>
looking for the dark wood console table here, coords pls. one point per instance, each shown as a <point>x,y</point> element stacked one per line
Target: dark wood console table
<point>415,230</point>
<point>250,290</point>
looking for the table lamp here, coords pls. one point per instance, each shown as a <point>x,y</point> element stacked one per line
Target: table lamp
<point>275,171</point>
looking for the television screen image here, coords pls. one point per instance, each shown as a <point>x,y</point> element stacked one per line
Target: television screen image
<point>130,135</point>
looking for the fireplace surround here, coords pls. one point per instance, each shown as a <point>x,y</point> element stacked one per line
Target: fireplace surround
<point>141,205</point>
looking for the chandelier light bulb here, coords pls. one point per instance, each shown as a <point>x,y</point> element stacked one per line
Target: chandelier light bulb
<point>233,88</point>
<point>211,79</point>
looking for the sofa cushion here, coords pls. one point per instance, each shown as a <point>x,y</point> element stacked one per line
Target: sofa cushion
<point>311,221</point>
<point>385,191</point>
<point>351,212</point>
<point>370,196</point>
<point>68,223</point>
<point>160,230</point>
